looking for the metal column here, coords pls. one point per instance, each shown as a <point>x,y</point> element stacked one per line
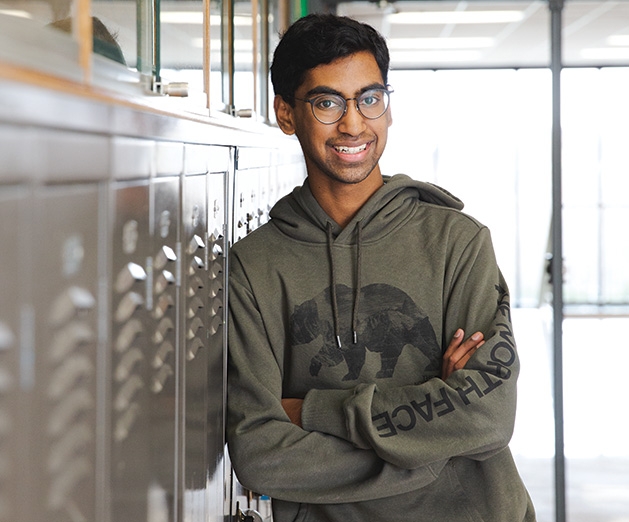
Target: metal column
<point>556,8</point>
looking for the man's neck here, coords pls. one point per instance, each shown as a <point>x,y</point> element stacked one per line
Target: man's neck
<point>342,201</point>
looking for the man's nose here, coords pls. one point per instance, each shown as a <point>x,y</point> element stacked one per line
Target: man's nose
<point>352,122</point>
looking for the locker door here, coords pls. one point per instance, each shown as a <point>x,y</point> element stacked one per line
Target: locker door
<point>164,346</point>
<point>216,346</point>
<point>13,313</point>
<point>246,201</point>
<point>195,344</point>
<point>65,254</point>
<point>131,330</point>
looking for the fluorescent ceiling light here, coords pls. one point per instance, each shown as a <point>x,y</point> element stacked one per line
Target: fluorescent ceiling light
<point>215,44</point>
<point>196,18</point>
<point>618,40</point>
<point>455,17</point>
<point>423,57</point>
<point>181,17</point>
<point>606,53</point>
<point>16,12</point>
<point>404,44</point>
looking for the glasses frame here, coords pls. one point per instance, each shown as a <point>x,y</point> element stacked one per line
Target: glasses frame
<point>386,90</point>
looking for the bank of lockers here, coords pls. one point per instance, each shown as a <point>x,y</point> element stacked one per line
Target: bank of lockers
<point>113,324</point>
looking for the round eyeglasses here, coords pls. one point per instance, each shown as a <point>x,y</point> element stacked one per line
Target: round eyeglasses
<point>330,108</point>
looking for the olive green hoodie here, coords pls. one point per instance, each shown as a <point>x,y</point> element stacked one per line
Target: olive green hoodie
<point>355,321</point>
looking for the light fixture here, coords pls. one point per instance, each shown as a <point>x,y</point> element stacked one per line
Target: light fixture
<point>606,53</point>
<point>408,44</point>
<point>424,57</point>
<point>618,40</point>
<point>455,17</point>
<point>16,12</point>
<point>196,18</point>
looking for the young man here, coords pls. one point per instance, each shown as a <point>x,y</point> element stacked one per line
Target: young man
<point>353,396</point>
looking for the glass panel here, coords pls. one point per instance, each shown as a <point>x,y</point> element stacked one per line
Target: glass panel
<point>44,14</point>
<point>275,27</point>
<point>615,275</point>
<point>596,164</point>
<point>219,95</point>
<point>490,145</point>
<point>533,439</point>
<point>614,106</point>
<point>597,256</point>
<point>581,248</point>
<point>39,35</point>
<point>246,34</point>
<point>595,422</point>
<point>114,25</point>
<point>532,122</point>
<point>181,48</point>
<point>581,123</point>
<point>595,33</point>
<point>442,34</point>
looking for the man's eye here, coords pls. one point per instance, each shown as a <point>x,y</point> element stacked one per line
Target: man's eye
<point>369,99</point>
<point>328,104</point>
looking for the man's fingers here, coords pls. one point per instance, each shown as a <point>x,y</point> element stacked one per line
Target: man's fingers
<point>458,365</point>
<point>456,341</point>
<point>459,352</point>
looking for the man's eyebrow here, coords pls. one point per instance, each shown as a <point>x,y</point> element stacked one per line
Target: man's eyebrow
<point>322,89</point>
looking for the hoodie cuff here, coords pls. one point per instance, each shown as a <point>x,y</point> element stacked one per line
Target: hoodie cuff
<point>323,411</point>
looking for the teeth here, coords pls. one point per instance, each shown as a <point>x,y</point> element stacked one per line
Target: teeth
<point>351,150</point>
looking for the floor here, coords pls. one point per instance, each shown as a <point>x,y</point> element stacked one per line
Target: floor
<point>595,423</point>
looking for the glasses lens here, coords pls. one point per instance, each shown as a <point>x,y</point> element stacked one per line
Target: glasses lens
<point>373,104</point>
<point>328,108</point>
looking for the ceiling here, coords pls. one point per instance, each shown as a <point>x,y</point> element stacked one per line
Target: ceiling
<point>421,34</point>
<point>455,34</point>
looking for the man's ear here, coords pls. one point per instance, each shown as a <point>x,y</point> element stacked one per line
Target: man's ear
<point>284,115</point>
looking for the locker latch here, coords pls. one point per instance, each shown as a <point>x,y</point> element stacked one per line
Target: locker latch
<point>248,515</point>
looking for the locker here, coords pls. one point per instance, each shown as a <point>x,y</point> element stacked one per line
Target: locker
<point>64,424</point>
<point>194,339</point>
<point>216,346</point>
<point>15,320</point>
<point>129,353</point>
<point>163,346</point>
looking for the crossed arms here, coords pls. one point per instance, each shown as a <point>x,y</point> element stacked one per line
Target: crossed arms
<point>455,358</point>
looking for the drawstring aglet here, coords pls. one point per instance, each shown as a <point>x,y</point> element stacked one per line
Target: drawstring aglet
<point>338,341</point>
<point>355,337</point>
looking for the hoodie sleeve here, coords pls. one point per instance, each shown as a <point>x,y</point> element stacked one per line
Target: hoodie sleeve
<point>272,456</point>
<point>470,414</point>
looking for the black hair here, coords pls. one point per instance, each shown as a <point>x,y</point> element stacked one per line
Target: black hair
<point>104,42</point>
<point>319,39</point>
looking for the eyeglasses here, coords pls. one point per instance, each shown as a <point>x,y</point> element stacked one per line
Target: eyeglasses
<point>330,108</point>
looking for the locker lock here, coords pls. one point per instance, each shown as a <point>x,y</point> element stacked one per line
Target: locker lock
<point>248,515</point>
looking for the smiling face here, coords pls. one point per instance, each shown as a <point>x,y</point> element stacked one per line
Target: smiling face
<point>348,151</point>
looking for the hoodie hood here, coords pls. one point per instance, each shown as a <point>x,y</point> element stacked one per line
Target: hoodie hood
<point>300,216</point>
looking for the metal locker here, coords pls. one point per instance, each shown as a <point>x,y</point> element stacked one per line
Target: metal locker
<point>64,421</point>
<point>251,173</point>
<point>195,327</point>
<point>15,319</point>
<point>216,346</point>
<point>130,350</point>
<point>163,347</point>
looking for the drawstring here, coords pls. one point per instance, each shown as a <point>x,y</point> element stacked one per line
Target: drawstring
<point>359,264</point>
<point>335,308</point>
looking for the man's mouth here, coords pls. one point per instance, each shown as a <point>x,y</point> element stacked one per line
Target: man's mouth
<point>350,150</point>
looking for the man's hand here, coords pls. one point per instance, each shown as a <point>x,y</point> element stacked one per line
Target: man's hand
<point>292,407</point>
<point>459,352</point>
